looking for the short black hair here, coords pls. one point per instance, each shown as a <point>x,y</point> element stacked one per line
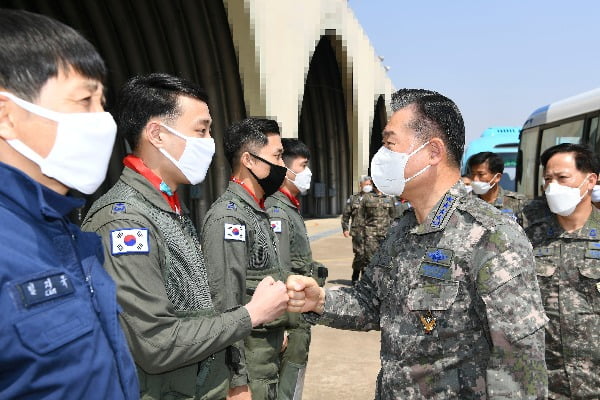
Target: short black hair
<point>35,48</point>
<point>249,134</point>
<point>495,162</point>
<point>585,159</point>
<point>147,96</point>
<point>292,149</point>
<point>436,116</point>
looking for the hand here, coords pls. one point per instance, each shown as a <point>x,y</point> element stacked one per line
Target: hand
<point>269,301</point>
<point>305,294</point>
<point>239,393</point>
<point>346,234</point>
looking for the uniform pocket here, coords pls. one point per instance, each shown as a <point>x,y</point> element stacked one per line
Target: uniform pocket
<point>54,327</point>
<point>589,279</point>
<point>433,297</point>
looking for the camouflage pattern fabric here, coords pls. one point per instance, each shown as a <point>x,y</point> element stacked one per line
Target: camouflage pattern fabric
<point>457,303</point>
<point>353,221</point>
<point>511,204</point>
<point>568,271</point>
<point>536,209</point>
<point>378,212</point>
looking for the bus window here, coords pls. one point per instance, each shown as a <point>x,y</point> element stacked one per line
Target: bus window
<point>529,141</point>
<point>566,133</point>
<point>594,138</point>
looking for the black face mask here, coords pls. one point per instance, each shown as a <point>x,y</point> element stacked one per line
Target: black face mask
<point>272,182</point>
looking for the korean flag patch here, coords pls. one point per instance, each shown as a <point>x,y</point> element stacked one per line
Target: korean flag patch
<point>127,241</point>
<point>235,232</point>
<point>276,225</point>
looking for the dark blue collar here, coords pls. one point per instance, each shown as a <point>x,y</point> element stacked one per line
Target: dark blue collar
<point>18,190</point>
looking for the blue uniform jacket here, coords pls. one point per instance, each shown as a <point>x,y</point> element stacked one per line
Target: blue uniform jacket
<point>59,333</point>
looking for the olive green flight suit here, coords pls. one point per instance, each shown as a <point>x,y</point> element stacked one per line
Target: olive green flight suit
<point>241,249</point>
<point>296,255</point>
<point>177,340</point>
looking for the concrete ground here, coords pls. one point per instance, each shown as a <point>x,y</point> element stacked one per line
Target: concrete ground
<point>341,364</point>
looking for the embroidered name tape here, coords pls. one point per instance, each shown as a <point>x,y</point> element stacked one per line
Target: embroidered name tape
<point>590,253</point>
<point>128,241</point>
<point>435,271</point>
<point>276,225</point>
<point>235,232</point>
<point>543,251</point>
<point>44,289</point>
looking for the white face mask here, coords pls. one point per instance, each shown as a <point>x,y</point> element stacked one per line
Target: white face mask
<point>482,187</point>
<point>81,152</point>
<point>387,170</point>
<point>367,188</point>
<point>196,157</point>
<point>563,200</point>
<point>302,180</point>
<point>469,188</point>
<point>596,194</point>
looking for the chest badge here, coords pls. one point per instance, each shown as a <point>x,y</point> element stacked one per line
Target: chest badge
<point>429,322</point>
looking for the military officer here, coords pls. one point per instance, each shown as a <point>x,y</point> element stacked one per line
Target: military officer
<point>241,247</point>
<point>452,287</point>
<point>352,225</point>
<point>178,341</point>
<point>287,222</point>
<point>567,249</point>
<point>378,211</point>
<point>486,171</point>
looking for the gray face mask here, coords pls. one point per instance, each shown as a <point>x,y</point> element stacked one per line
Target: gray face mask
<point>367,188</point>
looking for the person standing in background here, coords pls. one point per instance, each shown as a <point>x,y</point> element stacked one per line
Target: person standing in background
<point>378,213</point>
<point>566,246</point>
<point>352,225</point>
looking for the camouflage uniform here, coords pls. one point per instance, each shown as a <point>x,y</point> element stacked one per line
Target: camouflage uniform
<point>352,212</point>
<point>568,271</point>
<point>474,273</point>
<point>296,255</point>
<point>511,204</point>
<point>536,209</point>
<point>378,213</point>
<point>240,248</point>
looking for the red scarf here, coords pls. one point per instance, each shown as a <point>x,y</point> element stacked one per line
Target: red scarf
<point>293,199</point>
<point>261,202</point>
<point>136,164</point>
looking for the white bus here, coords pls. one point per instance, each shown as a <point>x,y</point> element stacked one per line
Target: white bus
<point>572,120</point>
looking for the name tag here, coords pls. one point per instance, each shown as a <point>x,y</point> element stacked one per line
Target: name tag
<point>45,289</point>
<point>435,271</point>
<point>543,251</point>
<point>594,246</point>
<point>591,253</point>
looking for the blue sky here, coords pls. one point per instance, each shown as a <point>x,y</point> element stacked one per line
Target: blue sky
<point>498,60</point>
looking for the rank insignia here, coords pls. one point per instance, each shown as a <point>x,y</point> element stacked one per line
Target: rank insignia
<point>443,212</point>
<point>429,322</point>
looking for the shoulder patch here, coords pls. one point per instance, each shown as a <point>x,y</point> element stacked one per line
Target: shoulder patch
<point>119,208</point>
<point>127,241</point>
<point>231,205</point>
<point>276,225</point>
<point>235,232</point>
<point>44,289</point>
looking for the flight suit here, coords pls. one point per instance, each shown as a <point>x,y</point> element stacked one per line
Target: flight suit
<point>241,249</point>
<point>296,254</point>
<point>177,339</point>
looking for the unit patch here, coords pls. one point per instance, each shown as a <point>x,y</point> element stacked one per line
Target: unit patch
<point>46,288</point>
<point>276,225</point>
<point>231,206</point>
<point>235,232</point>
<point>127,241</point>
<point>436,264</point>
<point>119,208</point>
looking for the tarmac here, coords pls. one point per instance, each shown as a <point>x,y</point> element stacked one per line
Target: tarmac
<point>342,365</point>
